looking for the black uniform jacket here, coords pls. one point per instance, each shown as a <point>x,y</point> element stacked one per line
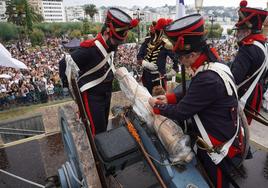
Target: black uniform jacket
<point>159,55</point>
<point>86,59</point>
<point>248,60</point>
<point>207,97</point>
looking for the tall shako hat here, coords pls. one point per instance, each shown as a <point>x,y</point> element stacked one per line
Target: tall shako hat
<point>119,23</point>
<point>187,34</point>
<point>250,18</point>
<point>157,28</point>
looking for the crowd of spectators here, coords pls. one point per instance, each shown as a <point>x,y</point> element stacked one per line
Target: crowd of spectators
<point>126,56</point>
<point>39,83</point>
<point>227,49</point>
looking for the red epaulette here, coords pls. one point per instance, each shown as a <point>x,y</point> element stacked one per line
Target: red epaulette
<point>247,42</point>
<point>251,38</point>
<point>88,43</point>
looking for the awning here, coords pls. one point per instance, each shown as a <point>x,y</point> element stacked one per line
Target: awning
<point>7,61</point>
<point>74,43</point>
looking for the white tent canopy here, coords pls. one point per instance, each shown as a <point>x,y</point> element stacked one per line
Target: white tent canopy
<point>7,61</point>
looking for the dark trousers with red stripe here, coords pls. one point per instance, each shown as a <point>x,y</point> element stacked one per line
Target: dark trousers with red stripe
<point>97,108</point>
<point>147,81</point>
<point>214,172</point>
<point>255,101</point>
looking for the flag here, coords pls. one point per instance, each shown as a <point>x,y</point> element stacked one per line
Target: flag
<point>180,9</point>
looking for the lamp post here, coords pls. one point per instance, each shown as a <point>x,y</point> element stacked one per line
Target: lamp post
<point>212,19</point>
<point>198,5</point>
<point>138,14</point>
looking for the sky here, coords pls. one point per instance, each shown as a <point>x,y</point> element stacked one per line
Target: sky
<point>158,3</point>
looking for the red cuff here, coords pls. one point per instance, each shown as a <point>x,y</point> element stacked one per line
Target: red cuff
<point>171,98</point>
<point>156,110</point>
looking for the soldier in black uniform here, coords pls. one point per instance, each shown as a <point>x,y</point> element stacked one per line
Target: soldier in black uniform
<point>93,60</point>
<point>152,56</point>
<point>247,66</point>
<point>211,99</point>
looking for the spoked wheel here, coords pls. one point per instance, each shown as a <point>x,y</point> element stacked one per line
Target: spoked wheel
<point>70,173</point>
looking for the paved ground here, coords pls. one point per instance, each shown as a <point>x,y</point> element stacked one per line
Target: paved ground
<point>258,134</point>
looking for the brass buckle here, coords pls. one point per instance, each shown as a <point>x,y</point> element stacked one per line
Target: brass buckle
<point>201,143</point>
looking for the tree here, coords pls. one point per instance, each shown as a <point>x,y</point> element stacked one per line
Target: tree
<point>75,34</point>
<point>56,29</point>
<point>21,13</point>
<point>8,31</point>
<point>37,37</point>
<point>91,10</point>
<point>86,26</point>
<point>28,17</point>
<point>131,37</point>
<point>215,31</point>
<point>15,12</point>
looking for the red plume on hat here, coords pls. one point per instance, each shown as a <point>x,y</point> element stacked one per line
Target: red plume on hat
<point>161,23</point>
<point>134,23</point>
<point>169,20</point>
<point>243,3</point>
<point>251,18</point>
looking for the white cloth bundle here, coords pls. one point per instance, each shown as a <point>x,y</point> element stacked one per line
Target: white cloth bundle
<point>171,135</point>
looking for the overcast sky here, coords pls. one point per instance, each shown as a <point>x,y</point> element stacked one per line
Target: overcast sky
<point>157,3</point>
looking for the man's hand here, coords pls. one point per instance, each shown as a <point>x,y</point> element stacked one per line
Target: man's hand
<point>162,99</point>
<point>150,66</point>
<point>152,101</point>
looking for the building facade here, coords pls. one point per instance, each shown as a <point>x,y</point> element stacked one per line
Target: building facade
<point>74,13</point>
<point>36,5</point>
<point>53,11</point>
<point>3,17</point>
<point>265,25</point>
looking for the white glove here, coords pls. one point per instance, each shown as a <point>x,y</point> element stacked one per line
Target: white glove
<point>171,73</point>
<point>150,66</point>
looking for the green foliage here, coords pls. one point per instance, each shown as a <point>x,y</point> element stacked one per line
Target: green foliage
<point>20,12</point>
<point>8,31</point>
<point>95,28</point>
<point>58,29</point>
<point>215,31</point>
<point>131,37</point>
<point>75,34</point>
<point>37,37</point>
<point>86,26</point>
<point>91,10</point>
<point>28,16</point>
